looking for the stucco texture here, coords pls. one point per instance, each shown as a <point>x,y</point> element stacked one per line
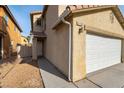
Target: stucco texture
<point>56,43</point>
<point>11,35</point>
<point>97,19</point>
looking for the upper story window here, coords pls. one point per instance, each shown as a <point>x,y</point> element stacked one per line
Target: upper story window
<point>38,21</point>
<point>6,18</point>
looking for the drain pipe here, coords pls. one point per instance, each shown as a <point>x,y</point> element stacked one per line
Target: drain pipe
<point>70,48</point>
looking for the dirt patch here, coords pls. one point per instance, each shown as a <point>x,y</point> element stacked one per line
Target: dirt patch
<point>6,66</point>
<point>23,75</point>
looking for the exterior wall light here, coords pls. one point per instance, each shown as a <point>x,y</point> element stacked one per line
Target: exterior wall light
<point>81,27</point>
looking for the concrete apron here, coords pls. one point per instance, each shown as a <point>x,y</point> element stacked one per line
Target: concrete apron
<point>111,77</point>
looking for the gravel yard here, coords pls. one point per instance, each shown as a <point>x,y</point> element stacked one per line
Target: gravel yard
<point>5,67</point>
<point>24,75</point>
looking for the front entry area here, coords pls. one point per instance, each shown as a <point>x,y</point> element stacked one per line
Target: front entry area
<point>101,52</point>
<point>39,48</point>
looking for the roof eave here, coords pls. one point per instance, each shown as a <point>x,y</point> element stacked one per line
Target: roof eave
<point>119,15</point>
<point>44,10</point>
<point>76,11</point>
<point>11,15</point>
<point>36,12</point>
<point>65,14</point>
<point>93,8</point>
<point>113,7</point>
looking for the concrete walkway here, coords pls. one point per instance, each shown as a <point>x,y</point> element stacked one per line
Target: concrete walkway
<point>111,77</point>
<point>52,78</point>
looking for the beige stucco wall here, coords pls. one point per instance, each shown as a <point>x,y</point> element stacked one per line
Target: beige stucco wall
<point>11,35</point>
<point>61,47</point>
<point>39,48</point>
<point>56,43</point>
<point>34,49</point>
<point>99,20</point>
<point>35,27</point>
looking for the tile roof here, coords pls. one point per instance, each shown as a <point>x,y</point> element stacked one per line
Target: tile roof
<point>79,7</point>
<point>84,8</point>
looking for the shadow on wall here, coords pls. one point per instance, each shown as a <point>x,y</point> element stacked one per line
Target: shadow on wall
<point>47,66</point>
<point>6,38</point>
<point>6,48</point>
<point>9,51</point>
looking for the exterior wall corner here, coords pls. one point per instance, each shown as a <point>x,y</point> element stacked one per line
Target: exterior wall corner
<point>122,51</point>
<point>78,56</point>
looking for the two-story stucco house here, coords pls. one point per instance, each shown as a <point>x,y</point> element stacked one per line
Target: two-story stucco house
<point>10,33</point>
<point>80,39</point>
<point>38,35</point>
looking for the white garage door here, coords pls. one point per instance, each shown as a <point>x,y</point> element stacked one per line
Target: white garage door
<point>101,52</point>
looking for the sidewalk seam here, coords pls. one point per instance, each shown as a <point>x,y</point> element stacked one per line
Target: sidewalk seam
<point>94,83</point>
<point>75,85</point>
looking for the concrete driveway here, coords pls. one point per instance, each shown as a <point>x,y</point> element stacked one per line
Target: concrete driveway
<point>111,77</point>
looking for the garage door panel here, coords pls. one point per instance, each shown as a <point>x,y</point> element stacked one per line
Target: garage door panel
<point>101,52</point>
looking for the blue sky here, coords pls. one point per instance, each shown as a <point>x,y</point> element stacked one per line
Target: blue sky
<point>22,15</point>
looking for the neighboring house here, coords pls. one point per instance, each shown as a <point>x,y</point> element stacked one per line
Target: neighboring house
<point>82,38</point>
<point>24,41</point>
<point>10,33</point>
<point>25,48</point>
<point>38,35</point>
